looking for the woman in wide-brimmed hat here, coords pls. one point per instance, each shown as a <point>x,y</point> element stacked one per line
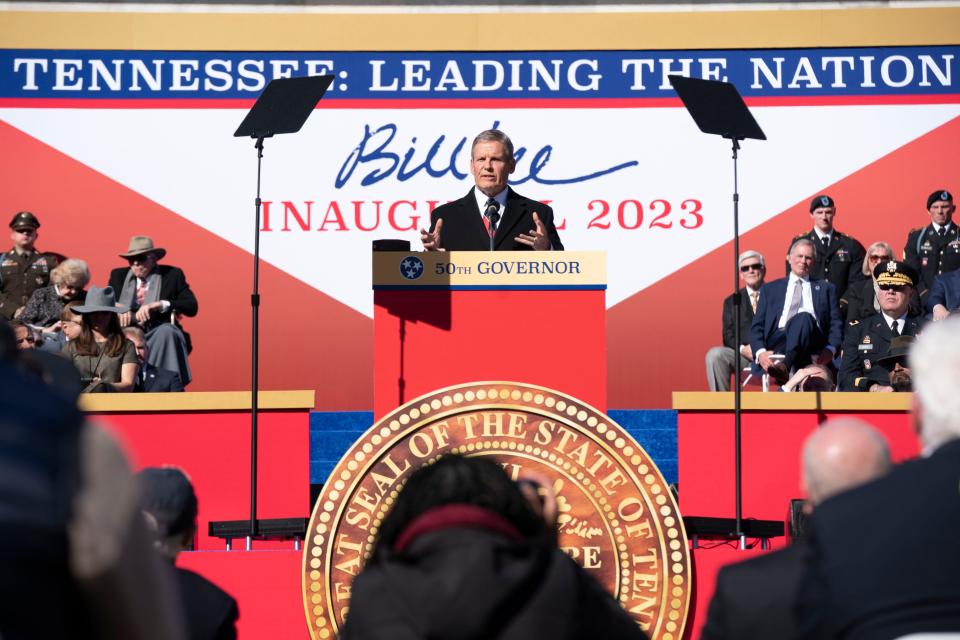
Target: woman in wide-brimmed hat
<point>107,361</point>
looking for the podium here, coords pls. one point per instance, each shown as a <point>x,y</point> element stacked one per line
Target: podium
<point>446,318</point>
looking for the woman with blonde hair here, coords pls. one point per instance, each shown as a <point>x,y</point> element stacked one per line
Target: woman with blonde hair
<point>67,283</point>
<point>861,297</point>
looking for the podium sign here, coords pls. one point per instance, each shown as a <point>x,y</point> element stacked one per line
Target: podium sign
<point>444,318</point>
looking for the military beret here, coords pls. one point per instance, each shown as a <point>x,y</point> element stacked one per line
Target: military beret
<point>24,220</point>
<point>939,196</point>
<point>821,201</point>
<point>897,273</point>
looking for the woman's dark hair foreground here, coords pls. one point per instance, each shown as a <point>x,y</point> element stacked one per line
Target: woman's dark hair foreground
<point>456,479</point>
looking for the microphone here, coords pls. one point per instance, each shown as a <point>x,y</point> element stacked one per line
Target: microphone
<point>493,216</point>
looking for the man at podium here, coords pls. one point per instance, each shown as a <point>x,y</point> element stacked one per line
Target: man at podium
<point>492,216</point>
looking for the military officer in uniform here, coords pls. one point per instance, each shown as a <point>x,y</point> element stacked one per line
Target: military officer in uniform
<point>935,248</point>
<point>867,341</point>
<point>23,269</point>
<point>839,256</point>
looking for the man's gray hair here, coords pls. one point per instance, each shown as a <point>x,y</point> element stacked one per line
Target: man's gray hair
<point>842,454</point>
<point>494,135</point>
<point>751,254</point>
<point>803,241</point>
<point>935,369</point>
<point>135,331</point>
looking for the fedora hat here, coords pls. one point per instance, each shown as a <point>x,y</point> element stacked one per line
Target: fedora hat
<point>140,245</point>
<point>100,300</point>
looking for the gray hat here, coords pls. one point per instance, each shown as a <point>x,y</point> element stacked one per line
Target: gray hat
<point>100,300</point>
<point>140,245</point>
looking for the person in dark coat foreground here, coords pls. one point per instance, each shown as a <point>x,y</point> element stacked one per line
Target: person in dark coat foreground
<point>170,505</point>
<point>463,556</point>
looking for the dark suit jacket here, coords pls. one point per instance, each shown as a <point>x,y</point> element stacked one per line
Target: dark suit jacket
<point>159,380</point>
<point>770,306</point>
<point>945,291</point>
<point>839,264</point>
<point>746,319</point>
<point>463,228</point>
<point>755,598</point>
<point>210,612</point>
<point>173,287</point>
<point>884,561</point>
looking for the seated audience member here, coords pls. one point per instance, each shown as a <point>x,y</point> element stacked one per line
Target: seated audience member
<point>150,379</point>
<point>723,362</point>
<point>901,378</point>
<point>169,502</point>
<point>813,377</point>
<point>23,335</point>
<point>862,301</point>
<point>71,322</point>
<point>797,317</point>
<point>76,557</point>
<point>23,269</point>
<point>107,361</point>
<point>944,297</point>
<point>869,340</point>
<point>67,283</point>
<point>934,249</point>
<point>463,554</point>
<point>754,599</point>
<point>155,295</point>
<point>838,255</point>
<point>883,558</point>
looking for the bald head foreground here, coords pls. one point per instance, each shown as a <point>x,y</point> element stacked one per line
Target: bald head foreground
<point>883,556</point>
<point>755,598</point>
<point>842,454</point>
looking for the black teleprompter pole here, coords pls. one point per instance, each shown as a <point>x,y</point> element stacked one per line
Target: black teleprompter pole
<point>718,109</point>
<point>283,107</point>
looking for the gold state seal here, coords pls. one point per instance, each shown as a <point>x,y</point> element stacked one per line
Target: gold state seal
<point>617,518</point>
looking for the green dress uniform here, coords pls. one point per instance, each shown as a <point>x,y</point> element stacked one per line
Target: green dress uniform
<point>932,254</point>
<point>20,276</point>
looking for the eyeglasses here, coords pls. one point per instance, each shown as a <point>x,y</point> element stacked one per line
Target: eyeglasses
<point>899,288</point>
<point>751,267</point>
<point>875,258</point>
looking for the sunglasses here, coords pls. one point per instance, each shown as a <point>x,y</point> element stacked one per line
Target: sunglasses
<point>899,288</point>
<point>751,267</point>
<point>879,258</point>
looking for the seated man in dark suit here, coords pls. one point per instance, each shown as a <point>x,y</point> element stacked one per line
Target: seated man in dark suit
<point>869,340</point>
<point>944,295</point>
<point>150,379</point>
<point>156,294</point>
<point>755,598</point>
<point>883,559</point>
<point>492,216</point>
<point>722,362</point>
<point>796,317</point>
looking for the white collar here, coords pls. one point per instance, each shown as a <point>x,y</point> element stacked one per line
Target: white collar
<point>937,227</point>
<point>482,198</point>
<point>821,235</point>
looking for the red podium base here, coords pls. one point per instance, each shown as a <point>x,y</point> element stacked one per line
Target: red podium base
<point>533,318</point>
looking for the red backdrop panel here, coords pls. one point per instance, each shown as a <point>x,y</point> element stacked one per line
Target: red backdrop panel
<point>213,448</point>
<point>426,340</point>
<point>266,585</point>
